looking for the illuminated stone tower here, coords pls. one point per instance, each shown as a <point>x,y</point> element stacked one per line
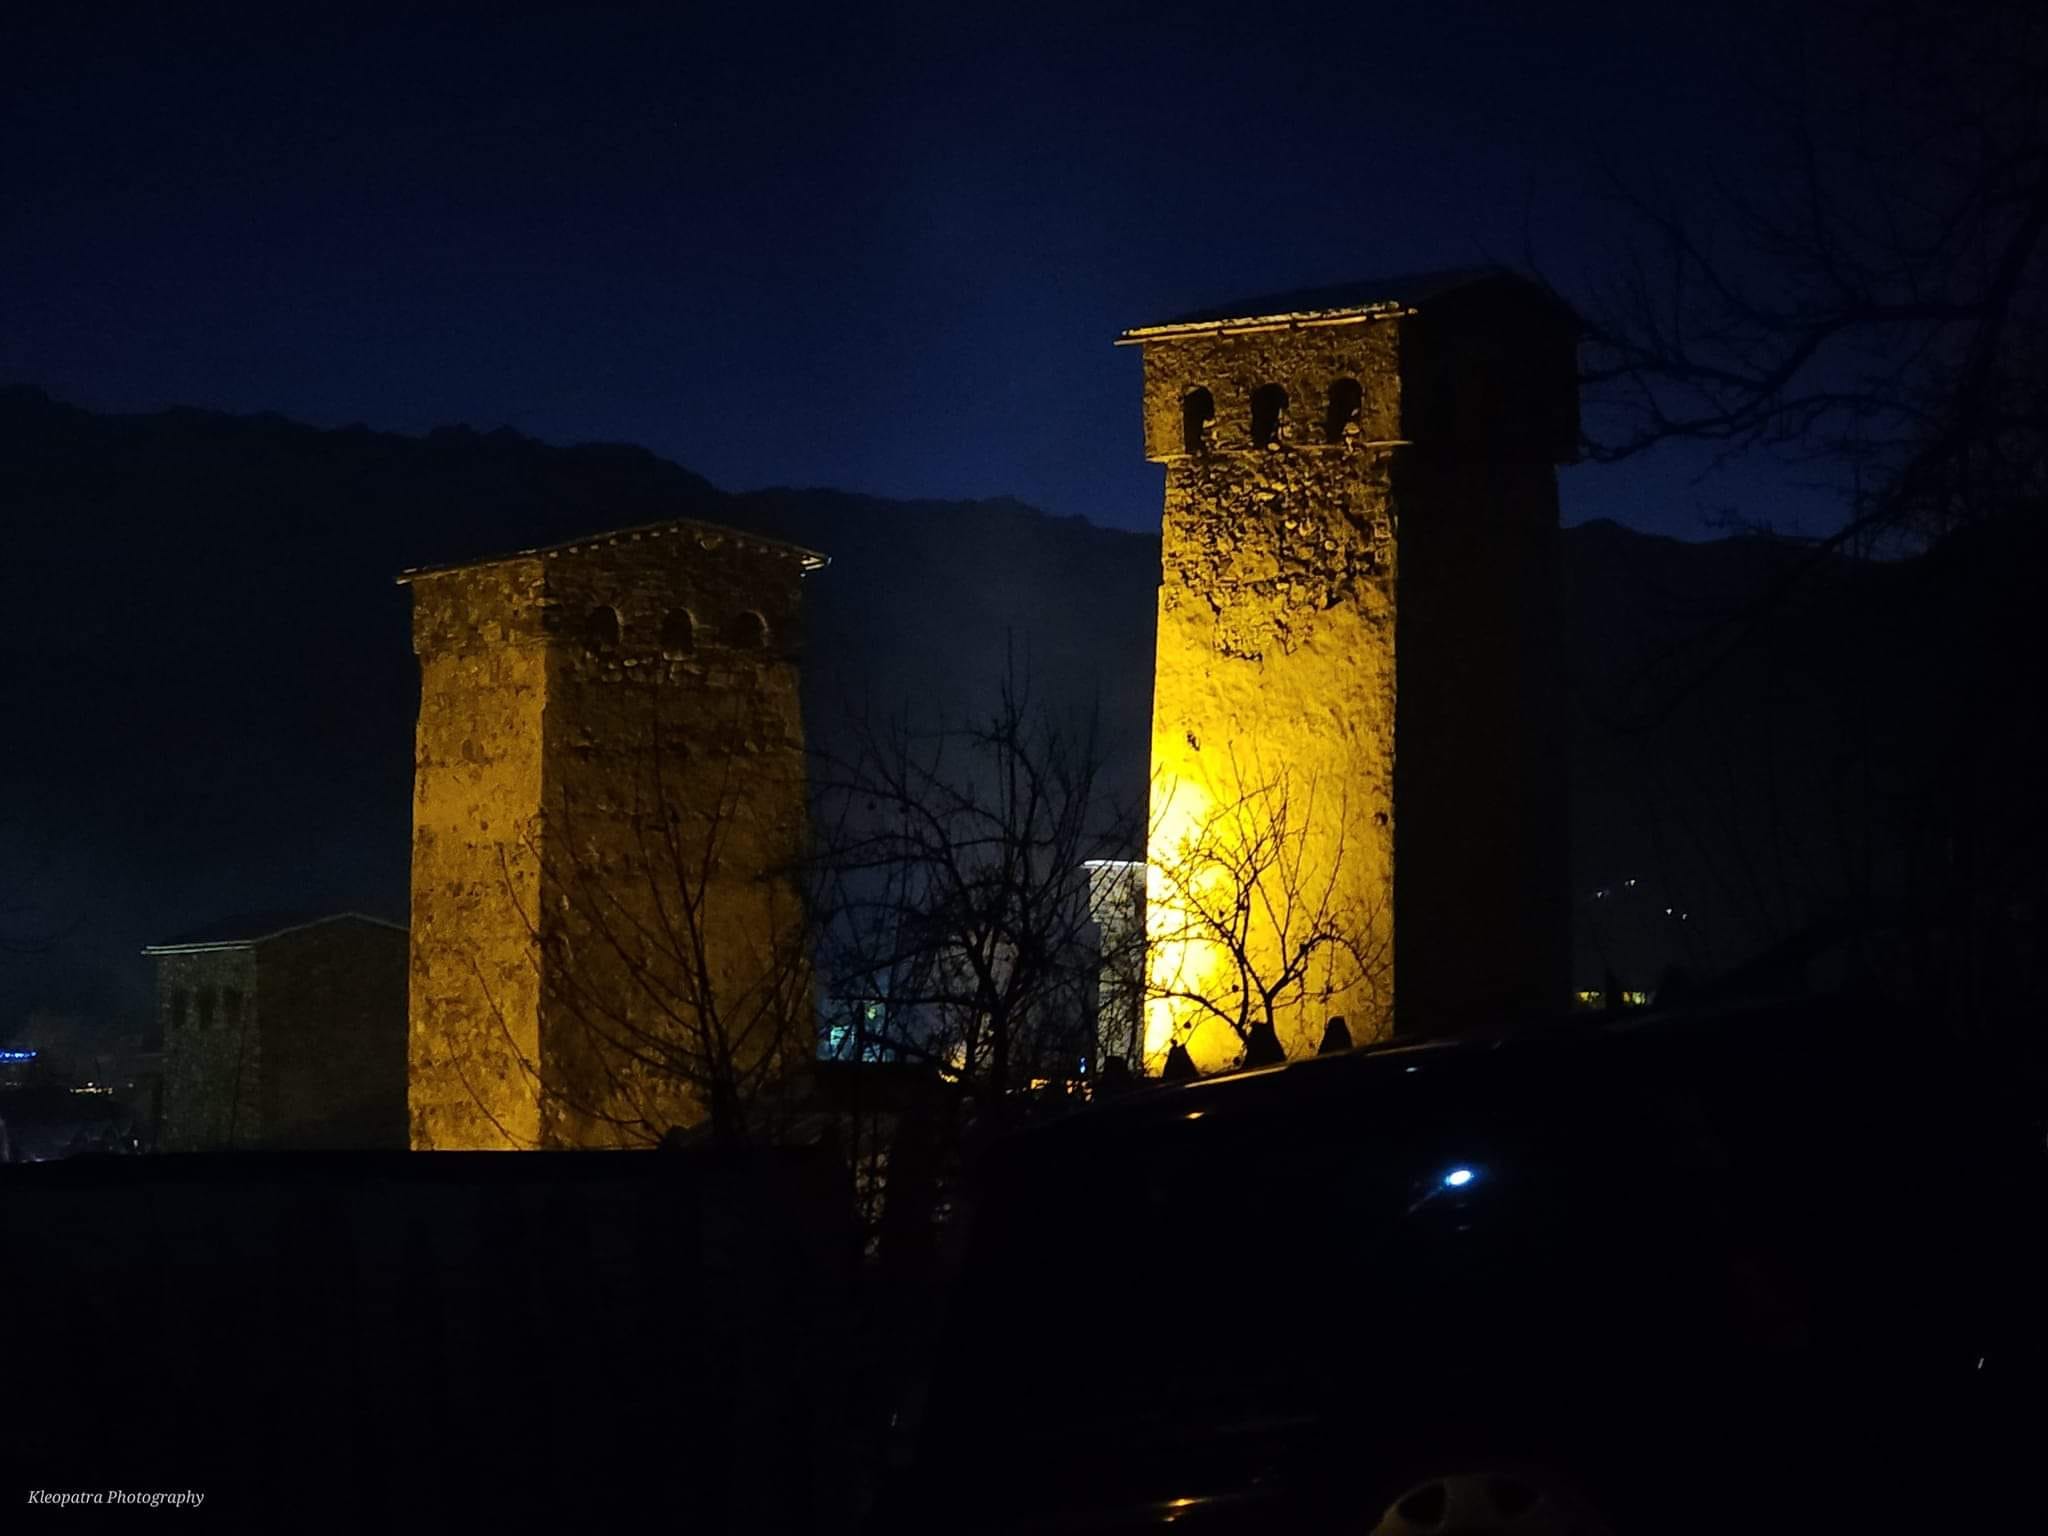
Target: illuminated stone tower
<point>607,730</point>
<point>1359,635</point>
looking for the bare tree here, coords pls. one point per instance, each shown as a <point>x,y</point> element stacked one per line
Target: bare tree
<point>1255,921</point>
<point>672,938</point>
<point>1874,295</point>
<point>1869,303</point>
<point>959,948</point>
<point>962,930</point>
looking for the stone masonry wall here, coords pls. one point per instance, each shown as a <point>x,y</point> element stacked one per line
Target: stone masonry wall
<point>1366,604</point>
<point>676,805</point>
<point>474,1031</point>
<point>207,1007</point>
<point>1480,778</point>
<point>587,715</point>
<point>334,1036</point>
<point>1275,658</point>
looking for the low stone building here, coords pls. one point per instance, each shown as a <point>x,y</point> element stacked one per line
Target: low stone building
<point>283,1030</point>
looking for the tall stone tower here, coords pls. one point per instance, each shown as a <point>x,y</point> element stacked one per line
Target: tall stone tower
<point>1357,714</point>
<point>608,797</point>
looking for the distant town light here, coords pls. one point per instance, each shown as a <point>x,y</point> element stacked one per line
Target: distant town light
<point>17,1055</point>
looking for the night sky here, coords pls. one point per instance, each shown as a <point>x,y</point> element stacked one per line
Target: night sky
<point>884,249</point>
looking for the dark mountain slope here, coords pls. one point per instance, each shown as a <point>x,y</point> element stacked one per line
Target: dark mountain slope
<point>208,671</point>
<point>210,690</point>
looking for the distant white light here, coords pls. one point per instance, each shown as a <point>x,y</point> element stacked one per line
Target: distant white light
<point>1458,1178</point>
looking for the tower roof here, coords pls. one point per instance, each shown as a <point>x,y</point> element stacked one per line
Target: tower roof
<point>247,929</point>
<point>1343,304</point>
<point>810,559</point>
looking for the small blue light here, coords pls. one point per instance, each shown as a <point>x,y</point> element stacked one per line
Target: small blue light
<point>1458,1178</point>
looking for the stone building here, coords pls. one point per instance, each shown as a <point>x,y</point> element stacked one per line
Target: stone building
<point>283,1030</point>
<point>609,793</point>
<point>1359,617</point>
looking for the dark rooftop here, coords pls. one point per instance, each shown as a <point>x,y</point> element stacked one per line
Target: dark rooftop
<point>810,559</point>
<point>1390,295</point>
<point>249,928</point>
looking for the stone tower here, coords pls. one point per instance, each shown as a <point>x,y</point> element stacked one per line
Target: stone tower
<point>1357,694</point>
<point>609,778</point>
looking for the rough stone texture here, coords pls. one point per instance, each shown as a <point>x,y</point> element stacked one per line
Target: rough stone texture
<point>211,1065</point>
<point>474,991</point>
<point>332,1030</point>
<point>1366,606</point>
<point>293,1039</point>
<point>572,723</point>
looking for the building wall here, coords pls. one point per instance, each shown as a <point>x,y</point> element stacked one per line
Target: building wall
<point>333,1030</point>
<point>675,785</point>
<point>1274,680</point>
<point>1489,390</point>
<point>207,1005</point>
<point>1480,777</point>
<point>474,1032</point>
<point>592,723</point>
<point>1358,621</point>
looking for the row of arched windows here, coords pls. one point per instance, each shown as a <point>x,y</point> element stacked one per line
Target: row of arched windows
<point>745,631</point>
<point>1269,405</point>
<point>200,1005</point>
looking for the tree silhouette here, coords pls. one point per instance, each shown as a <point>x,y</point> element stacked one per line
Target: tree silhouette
<point>1253,922</point>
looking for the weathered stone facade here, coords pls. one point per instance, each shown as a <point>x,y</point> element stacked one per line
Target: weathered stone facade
<point>1358,606</point>
<point>609,774</point>
<point>283,1034</point>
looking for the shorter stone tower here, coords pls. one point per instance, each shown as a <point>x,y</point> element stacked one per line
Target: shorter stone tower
<point>1356,692</point>
<point>608,804</point>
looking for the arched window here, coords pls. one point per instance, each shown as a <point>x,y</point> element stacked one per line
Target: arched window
<point>1345,398</point>
<point>746,631</point>
<point>601,628</point>
<point>180,1001</point>
<point>206,1008</point>
<point>678,633</point>
<point>1269,405</point>
<point>1197,410</point>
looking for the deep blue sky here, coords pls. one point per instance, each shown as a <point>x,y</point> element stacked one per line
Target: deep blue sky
<point>882,249</point>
